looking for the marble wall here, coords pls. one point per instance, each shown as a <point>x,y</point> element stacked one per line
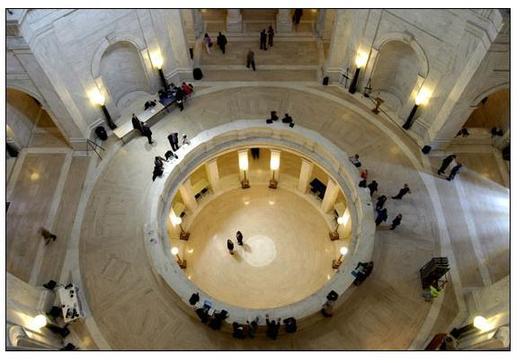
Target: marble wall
<point>460,53</point>
<point>67,47</point>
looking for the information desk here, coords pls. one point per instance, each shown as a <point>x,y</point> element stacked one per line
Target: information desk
<point>70,303</point>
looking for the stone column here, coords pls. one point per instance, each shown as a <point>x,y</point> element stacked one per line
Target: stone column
<point>345,229</point>
<point>275,161</point>
<point>320,21</point>
<point>284,21</point>
<point>234,21</point>
<point>243,167</point>
<point>212,171</point>
<point>330,196</point>
<point>188,198</point>
<point>198,23</point>
<point>305,175</point>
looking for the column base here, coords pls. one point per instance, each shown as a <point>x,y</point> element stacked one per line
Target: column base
<point>245,184</point>
<point>273,184</point>
<point>182,264</point>
<point>184,236</point>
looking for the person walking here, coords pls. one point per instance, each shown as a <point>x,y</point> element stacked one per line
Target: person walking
<point>396,221</point>
<point>454,171</point>
<point>271,33</point>
<point>173,139</point>
<point>355,160</point>
<point>381,202</point>
<point>402,192</point>
<point>207,43</point>
<point>364,174</point>
<point>146,131</point>
<point>262,40</point>
<point>238,235</point>
<point>222,41</point>
<point>250,59</point>
<point>273,117</point>
<point>287,119</point>
<point>48,236</point>
<point>298,13</point>
<point>230,246</point>
<point>382,216</point>
<point>445,163</point>
<point>373,187</point>
<point>179,98</point>
<point>185,140</point>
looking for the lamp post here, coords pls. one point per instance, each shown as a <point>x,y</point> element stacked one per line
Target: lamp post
<point>274,165</point>
<point>177,221</point>
<point>360,61</point>
<point>335,235</point>
<point>336,263</point>
<point>421,99</point>
<point>182,263</point>
<point>157,61</point>
<point>98,98</point>
<point>243,165</point>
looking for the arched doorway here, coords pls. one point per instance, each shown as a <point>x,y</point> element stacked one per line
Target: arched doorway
<point>123,74</point>
<point>28,124</point>
<point>395,75</point>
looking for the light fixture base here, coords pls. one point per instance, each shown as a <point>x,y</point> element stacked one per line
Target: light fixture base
<point>336,264</point>
<point>182,264</point>
<point>273,184</point>
<point>334,236</point>
<point>184,236</point>
<point>245,184</point>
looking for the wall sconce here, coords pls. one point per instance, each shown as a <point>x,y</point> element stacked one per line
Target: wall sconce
<point>482,324</point>
<point>182,263</point>
<point>38,322</point>
<point>157,61</point>
<point>243,165</point>
<point>177,221</point>
<point>336,263</point>
<point>98,99</point>
<point>275,161</point>
<point>421,99</point>
<point>360,61</point>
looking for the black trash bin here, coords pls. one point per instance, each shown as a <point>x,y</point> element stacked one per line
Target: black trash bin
<point>100,131</point>
<point>426,149</point>
<point>325,81</point>
<point>197,74</point>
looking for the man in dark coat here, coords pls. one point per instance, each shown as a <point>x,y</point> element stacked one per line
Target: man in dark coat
<point>396,221</point>
<point>230,246</point>
<point>137,125</point>
<point>381,202</point>
<point>250,59</point>
<point>381,216</point>
<point>173,138</point>
<point>445,163</point>
<point>402,192</point>
<point>239,237</point>
<point>373,187</point>
<point>222,41</point>
<point>272,328</point>
<point>262,42</point>
<point>179,98</point>
<point>146,131</point>
<point>454,171</point>
<point>270,36</point>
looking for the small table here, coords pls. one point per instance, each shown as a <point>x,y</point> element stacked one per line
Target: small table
<point>70,303</point>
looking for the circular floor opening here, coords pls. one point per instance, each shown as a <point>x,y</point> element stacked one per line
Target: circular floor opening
<point>286,255</point>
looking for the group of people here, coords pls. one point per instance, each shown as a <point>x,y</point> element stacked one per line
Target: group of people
<point>263,36</point>
<point>450,162</point>
<point>373,186</point>
<point>287,119</point>
<point>231,246</point>
<point>180,94</point>
<point>221,42</point>
<point>159,161</point>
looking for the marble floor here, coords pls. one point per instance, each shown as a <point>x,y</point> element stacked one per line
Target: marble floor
<point>466,220</point>
<point>285,237</point>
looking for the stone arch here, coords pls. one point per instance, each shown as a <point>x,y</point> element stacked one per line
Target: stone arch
<point>491,90</point>
<point>395,74</point>
<point>495,112</point>
<point>409,39</point>
<point>108,42</point>
<point>123,73</point>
